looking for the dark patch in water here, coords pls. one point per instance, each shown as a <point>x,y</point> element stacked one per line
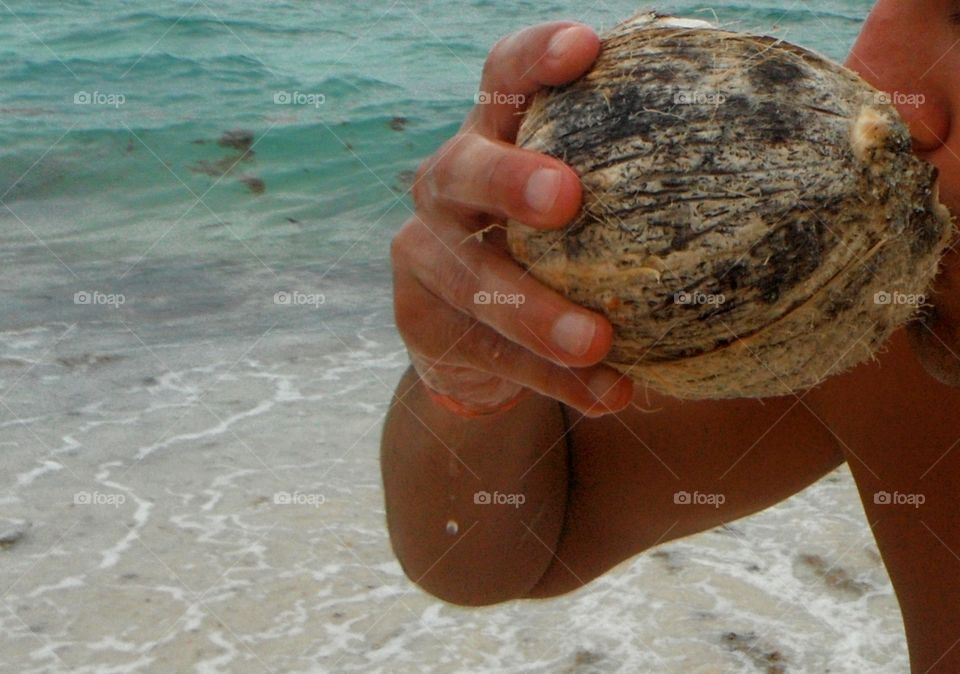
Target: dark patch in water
<point>398,123</point>
<point>89,360</point>
<point>668,559</point>
<point>12,362</point>
<point>584,657</point>
<point>238,139</point>
<point>405,180</point>
<point>766,660</point>
<point>12,534</point>
<point>835,578</point>
<point>25,112</point>
<point>220,167</point>
<point>254,184</point>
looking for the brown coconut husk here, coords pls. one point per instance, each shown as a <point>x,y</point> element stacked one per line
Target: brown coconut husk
<point>725,165</point>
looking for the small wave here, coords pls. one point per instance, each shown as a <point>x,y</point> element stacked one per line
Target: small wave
<point>196,24</point>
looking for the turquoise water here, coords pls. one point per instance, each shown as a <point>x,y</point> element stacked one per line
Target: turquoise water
<point>141,177</point>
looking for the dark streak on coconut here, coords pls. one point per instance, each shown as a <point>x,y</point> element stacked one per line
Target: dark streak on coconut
<point>778,71</point>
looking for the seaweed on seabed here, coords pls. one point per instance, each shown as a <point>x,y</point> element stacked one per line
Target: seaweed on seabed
<point>254,184</point>
<point>240,140</point>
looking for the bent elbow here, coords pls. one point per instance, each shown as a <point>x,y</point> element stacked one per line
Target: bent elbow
<point>470,586</point>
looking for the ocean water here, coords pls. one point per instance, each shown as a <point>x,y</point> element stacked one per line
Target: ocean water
<point>166,169</point>
<point>103,180</point>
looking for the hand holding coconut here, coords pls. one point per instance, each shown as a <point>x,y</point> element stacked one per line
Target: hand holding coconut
<point>480,330</point>
<point>791,196</point>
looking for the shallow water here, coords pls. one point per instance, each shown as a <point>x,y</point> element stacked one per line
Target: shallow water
<point>147,442</point>
<point>182,558</point>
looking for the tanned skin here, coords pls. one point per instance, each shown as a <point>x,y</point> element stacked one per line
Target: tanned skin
<point>599,463</point>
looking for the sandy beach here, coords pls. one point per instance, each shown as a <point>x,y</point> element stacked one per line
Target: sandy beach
<point>176,501</point>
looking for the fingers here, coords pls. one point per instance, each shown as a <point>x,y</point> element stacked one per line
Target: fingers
<point>477,174</point>
<point>463,303</point>
<point>440,333</point>
<point>483,282</point>
<point>518,65</point>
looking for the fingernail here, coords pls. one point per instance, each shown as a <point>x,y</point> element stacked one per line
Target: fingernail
<point>542,189</point>
<point>603,386</point>
<point>561,42</point>
<point>573,332</point>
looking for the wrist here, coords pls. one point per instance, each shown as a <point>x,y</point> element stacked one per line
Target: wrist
<point>466,392</point>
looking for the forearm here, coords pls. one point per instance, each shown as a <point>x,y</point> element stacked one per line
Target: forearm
<point>913,514</point>
<point>434,463</point>
<point>907,471</point>
<point>918,533</point>
<point>920,547</point>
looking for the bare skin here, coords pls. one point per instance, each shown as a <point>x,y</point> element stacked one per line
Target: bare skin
<point>598,463</point>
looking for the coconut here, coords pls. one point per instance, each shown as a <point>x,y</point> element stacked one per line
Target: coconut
<point>753,219</point>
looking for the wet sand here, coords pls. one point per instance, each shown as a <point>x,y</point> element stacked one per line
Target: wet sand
<point>178,497</point>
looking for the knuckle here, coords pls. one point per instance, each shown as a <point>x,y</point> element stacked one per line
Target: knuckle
<point>403,320</point>
<point>549,380</point>
<point>448,339</point>
<point>460,280</point>
<point>497,56</point>
<point>405,316</point>
<point>420,190</point>
<point>435,174</point>
<point>405,243</point>
<point>488,348</point>
<point>495,172</point>
<point>413,320</point>
<point>398,245</point>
